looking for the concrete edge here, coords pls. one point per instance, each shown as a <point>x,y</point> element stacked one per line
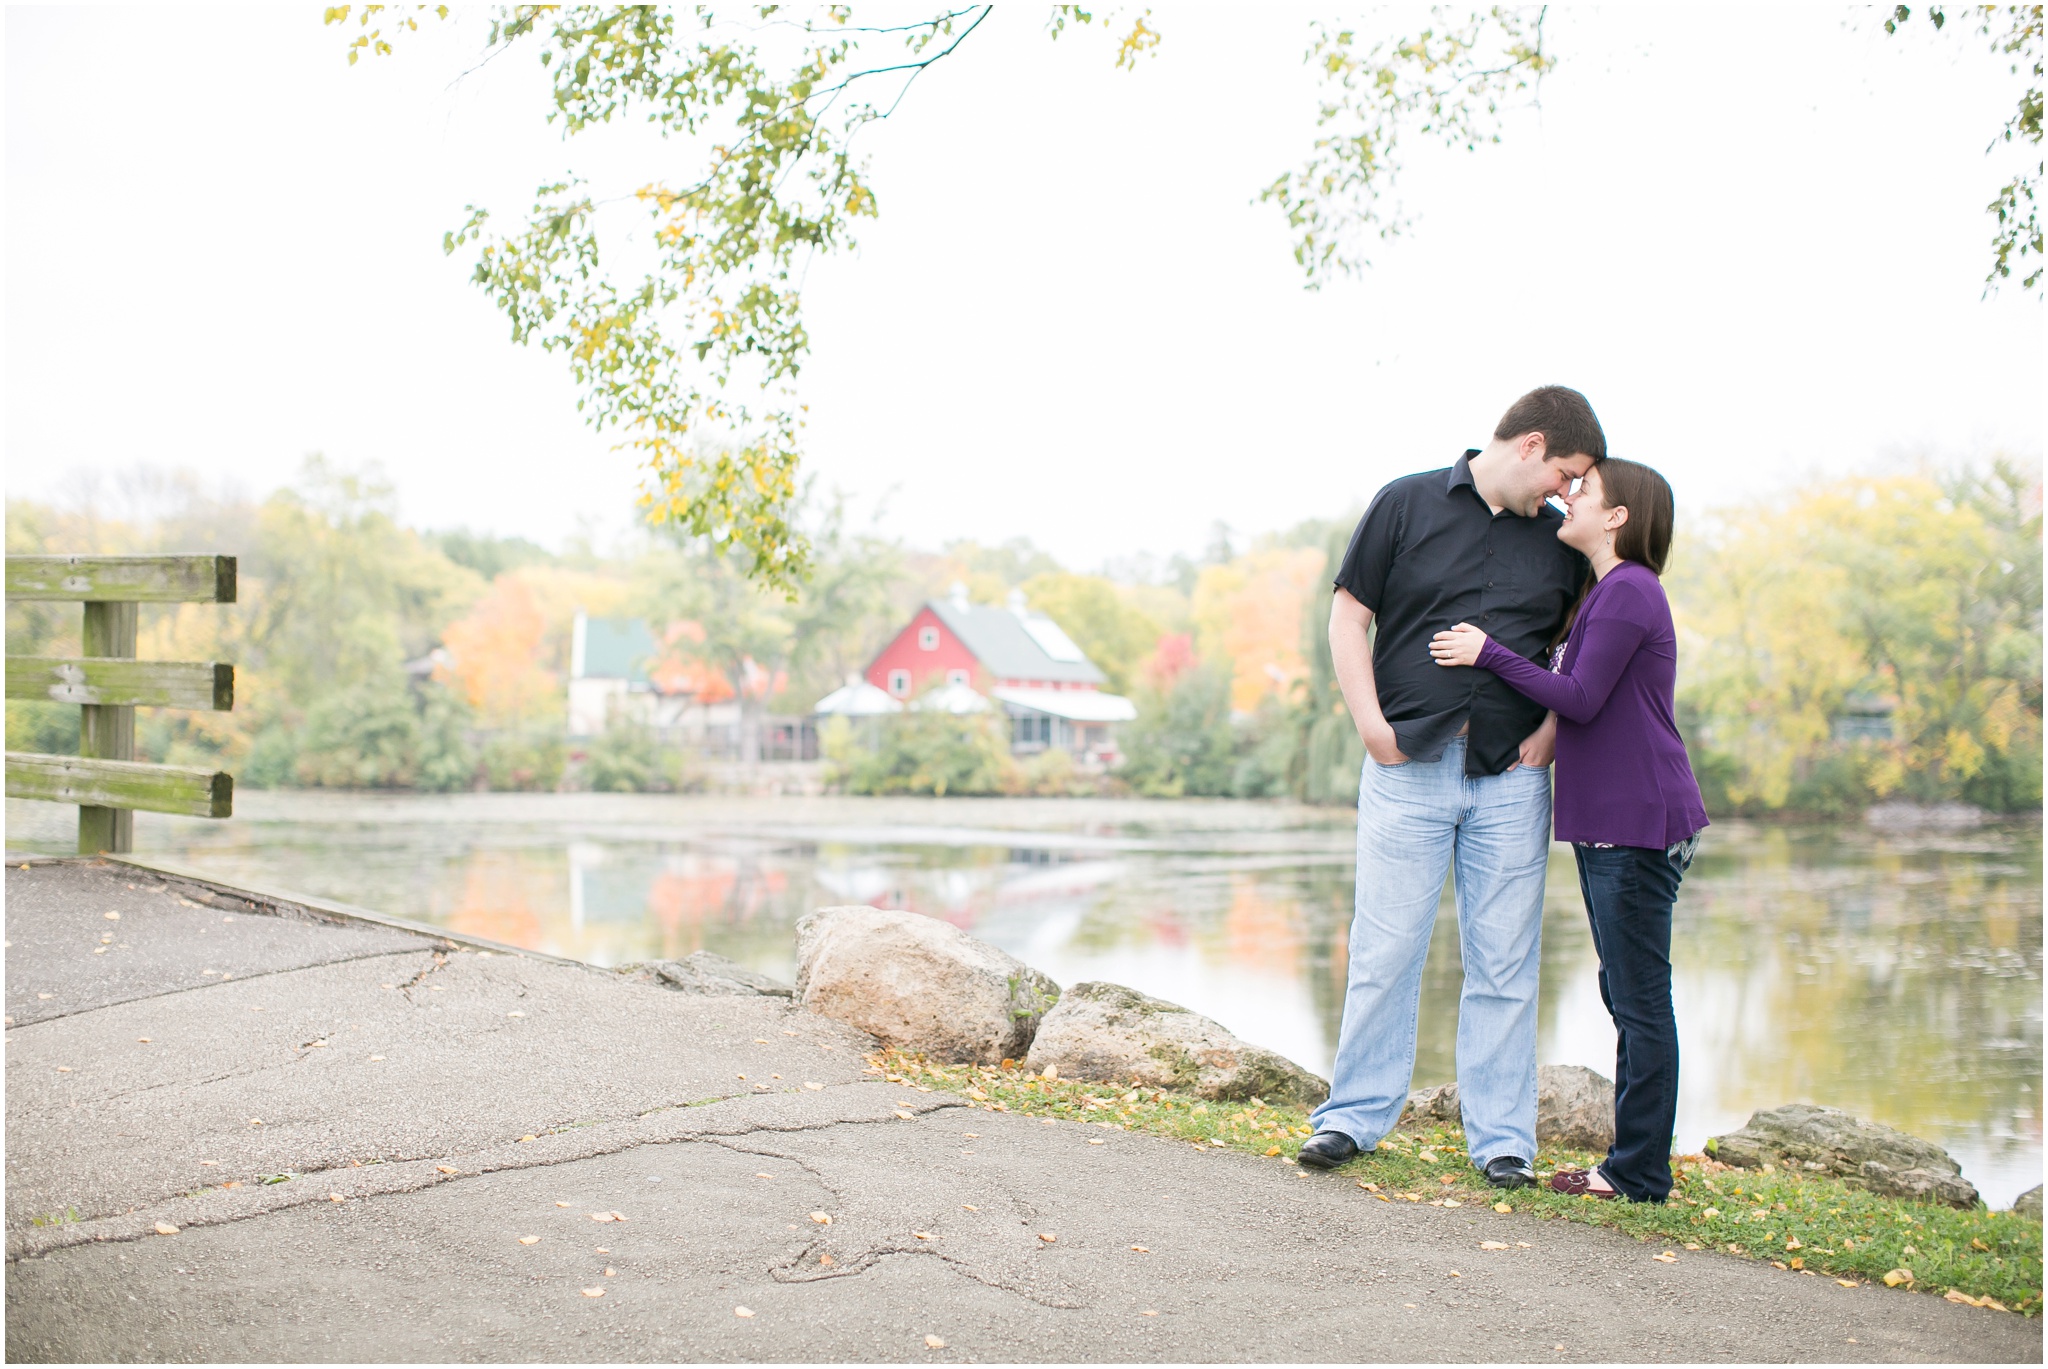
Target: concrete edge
<point>285,903</point>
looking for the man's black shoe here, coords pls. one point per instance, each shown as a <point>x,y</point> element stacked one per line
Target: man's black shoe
<point>1327,1150</point>
<point>1509,1171</point>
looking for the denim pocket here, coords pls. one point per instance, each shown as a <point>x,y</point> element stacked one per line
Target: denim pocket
<point>1681,853</point>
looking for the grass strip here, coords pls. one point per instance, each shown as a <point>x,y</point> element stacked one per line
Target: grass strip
<point>1812,1223</point>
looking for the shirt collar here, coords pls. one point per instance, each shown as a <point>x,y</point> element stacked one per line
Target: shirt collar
<point>1461,472</point>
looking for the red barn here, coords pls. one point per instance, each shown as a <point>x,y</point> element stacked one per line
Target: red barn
<point>978,656</point>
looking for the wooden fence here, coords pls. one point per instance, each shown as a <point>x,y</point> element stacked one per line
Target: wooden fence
<point>104,779</point>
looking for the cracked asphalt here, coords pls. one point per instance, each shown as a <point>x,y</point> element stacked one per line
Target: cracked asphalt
<point>377,1145</point>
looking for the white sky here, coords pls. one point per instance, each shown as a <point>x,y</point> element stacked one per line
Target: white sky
<point>1755,238</point>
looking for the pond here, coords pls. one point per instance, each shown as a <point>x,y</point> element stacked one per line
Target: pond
<point>1897,975</point>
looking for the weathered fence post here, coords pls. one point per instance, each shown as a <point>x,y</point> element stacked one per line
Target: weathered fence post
<point>104,779</point>
<point>107,731</point>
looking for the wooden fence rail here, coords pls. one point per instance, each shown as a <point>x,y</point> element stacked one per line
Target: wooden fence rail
<point>105,780</point>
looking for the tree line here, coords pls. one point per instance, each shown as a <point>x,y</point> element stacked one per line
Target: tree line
<point>1860,639</point>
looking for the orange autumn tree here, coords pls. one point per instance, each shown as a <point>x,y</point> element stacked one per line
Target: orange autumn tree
<point>495,658</point>
<point>1248,613</point>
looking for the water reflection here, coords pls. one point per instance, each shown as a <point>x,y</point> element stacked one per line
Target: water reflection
<point>1895,976</point>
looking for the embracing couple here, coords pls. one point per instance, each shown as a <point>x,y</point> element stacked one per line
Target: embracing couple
<point>1508,632</point>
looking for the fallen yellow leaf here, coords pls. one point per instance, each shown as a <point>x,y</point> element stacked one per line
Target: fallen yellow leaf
<point>561,1204</point>
<point>1975,1242</point>
<point>609,1271</point>
<point>934,1343</point>
<point>166,1229</point>
<point>1798,1263</point>
<point>602,1217</point>
<point>593,1292</point>
<point>335,1198</point>
<point>1050,1072</point>
<point>1493,1245</point>
<point>924,1235</point>
<point>1456,1275</point>
<point>448,1169</point>
<point>1141,1250</point>
<point>1098,1141</point>
<point>529,1240</point>
<point>809,1085</point>
<point>526,1138</point>
<point>1666,1258</point>
<point>970,1207</point>
<point>1957,1295</point>
<point>743,1311</point>
<point>821,1219</point>
<point>1847,1283</point>
<point>1502,1207</point>
<point>1272,1150</point>
<point>1047,1237</point>
<point>111,917</point>
<point>902,1114</point>
<point>1898,1276</point>
<point>618,1216</point>
<point>1369,1188</point>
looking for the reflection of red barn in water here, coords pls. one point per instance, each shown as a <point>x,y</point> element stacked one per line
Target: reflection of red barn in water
<point>969,658</point>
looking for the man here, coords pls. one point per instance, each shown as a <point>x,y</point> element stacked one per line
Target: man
<point>1456,774</point>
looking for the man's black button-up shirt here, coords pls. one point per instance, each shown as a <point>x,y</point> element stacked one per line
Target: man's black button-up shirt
<point>1428,554</point>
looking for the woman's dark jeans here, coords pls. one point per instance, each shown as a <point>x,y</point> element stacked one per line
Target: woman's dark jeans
<point>1629,891</point>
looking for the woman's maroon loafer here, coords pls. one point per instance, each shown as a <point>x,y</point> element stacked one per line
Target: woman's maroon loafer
<point>1578,1183</point>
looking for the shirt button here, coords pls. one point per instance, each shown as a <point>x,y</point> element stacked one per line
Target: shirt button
<point>1489,584</point>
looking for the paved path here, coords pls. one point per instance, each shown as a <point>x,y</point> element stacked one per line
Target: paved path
<point>393,1078</point>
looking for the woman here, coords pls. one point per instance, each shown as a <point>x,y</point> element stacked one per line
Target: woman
<point>1626,797</point>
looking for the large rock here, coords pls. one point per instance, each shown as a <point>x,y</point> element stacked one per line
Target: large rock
<point>1867,1154</point>
<point>2028,1204</point>
<point>1106,1031</point>
<point>707,973</point>
<point>919,984</point>
<point>1574,1107</point>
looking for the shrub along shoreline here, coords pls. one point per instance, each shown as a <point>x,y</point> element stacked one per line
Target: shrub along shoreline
<point>1811,1224</point>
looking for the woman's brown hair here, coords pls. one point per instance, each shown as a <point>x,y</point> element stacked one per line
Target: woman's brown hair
<point>1646,537</point>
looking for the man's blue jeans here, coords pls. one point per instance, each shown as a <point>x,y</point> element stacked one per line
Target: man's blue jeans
<point>1416,822</point>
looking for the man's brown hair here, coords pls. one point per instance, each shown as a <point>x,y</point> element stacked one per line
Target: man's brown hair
<point>1646,536</point>
<point>1564,418</point>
